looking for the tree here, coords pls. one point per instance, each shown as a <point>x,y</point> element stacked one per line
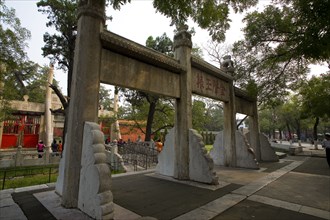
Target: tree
<point>314,96</point>
<point>59,47</point>
<point>296,29</point>
<point>13,41</point>
<point>21,76</point>
<point>210,15</point>
<point>280,42</point>
<point>104,98</point>
<point>198,112</point>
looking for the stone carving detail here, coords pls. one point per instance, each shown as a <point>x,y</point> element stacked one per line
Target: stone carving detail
<point>227,64</point>
<point>182,38</point>
<point>200,163</point>
<point>95,197</point>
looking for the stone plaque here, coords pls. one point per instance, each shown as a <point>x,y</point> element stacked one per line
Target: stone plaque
<point>210,86</point>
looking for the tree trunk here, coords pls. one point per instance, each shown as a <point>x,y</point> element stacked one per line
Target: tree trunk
<point>152,109</point>
<point>289,131</point>
<point>317,120</point>
<point>298,131</point>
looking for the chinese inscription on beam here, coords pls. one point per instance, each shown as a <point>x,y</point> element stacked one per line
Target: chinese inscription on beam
<point>209,86</point>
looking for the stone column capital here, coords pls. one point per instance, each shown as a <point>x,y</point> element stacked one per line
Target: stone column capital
<point>92,8</point>
<point>182,38</point>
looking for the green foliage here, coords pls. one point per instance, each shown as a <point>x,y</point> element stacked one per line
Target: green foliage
<point>211,15</point>
<point>206,116</point>
<point>19,75</point>
<point>198,115</point>
<point>59,47</point>
<point>208,148</point>
<point>162,44</point>
<point>13,39</point>
<point>280,42</point>
<point>296,29</point>
<point>315,96</point>
<point>104,98</point>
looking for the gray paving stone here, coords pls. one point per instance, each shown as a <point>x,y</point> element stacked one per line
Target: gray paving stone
<point>12,212</point>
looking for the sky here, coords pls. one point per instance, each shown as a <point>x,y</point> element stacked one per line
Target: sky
<point>135,21</point>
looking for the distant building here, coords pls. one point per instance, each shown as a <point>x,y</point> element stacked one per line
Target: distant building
<point>27,123</point>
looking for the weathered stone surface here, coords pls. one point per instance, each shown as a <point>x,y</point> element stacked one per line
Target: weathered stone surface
<point>113,158</point>
<point>200,163</point>
<point>217,152</point>
<point>244,153</point>
<point>183,116</point>
<point>267,152</point>
<point>95,197</point>
<point>245,158</point>
<point>166,158</point>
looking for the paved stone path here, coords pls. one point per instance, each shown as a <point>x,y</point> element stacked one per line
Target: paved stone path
<point>297,187</point>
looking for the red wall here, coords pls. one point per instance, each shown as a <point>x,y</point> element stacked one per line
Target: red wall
<point>8,140</point>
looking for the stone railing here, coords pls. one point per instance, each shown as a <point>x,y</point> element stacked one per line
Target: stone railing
<point>23,157</point>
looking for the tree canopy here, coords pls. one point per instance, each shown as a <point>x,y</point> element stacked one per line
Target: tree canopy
<point>280,42</point>
<point>296,29</point>
<point>315,96</point>
<point>59,47</point>
<point>211,15</point>
<point>13,39</point>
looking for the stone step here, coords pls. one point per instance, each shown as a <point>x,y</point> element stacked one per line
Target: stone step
<point>280,154</point>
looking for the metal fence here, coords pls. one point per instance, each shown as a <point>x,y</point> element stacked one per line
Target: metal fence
<point>19,174</point>
<point>141,155</point>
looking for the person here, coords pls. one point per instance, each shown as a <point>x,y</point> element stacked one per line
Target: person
<point>120,143</point>
<point>40,148</point>
<point>60,147</point>
<point>159,145</point>
<point>54,146</point>
<point>326,145</point>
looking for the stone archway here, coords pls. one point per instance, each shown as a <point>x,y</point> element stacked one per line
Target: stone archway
<point>102,56</point>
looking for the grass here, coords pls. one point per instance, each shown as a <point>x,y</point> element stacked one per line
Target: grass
<point>18,182</point>
<point>208,148</point>
<point>29,176</point>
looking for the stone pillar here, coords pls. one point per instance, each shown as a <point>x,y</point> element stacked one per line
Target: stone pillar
<point>183,118</point>
<point>48,105</point>
<point>19,156</point>
<point>254,132</point>
<point>229,129</point>
<point>84,93</point>
<point>115,130</point>
<point>46,155</point>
